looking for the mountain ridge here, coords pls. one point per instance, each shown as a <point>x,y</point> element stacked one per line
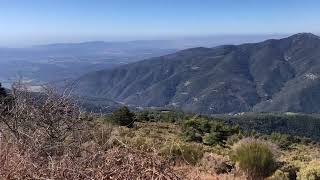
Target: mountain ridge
<point>222,79</point>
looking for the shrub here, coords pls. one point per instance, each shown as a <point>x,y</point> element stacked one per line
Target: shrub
<point>222,132</point>
<point>212,138</point>
<point>256,158</point>
<point>207,131</point>
<point>234,139</point>
<point>284,141</point>
<point>123,117</point>
<point>42,121</point>
<point>216,164</point>
<point>142,116</point>
<point>191,134</point>
<point>199,124</point>
<point>189,153</point>
<point>279,175</point>
<point>48,137</point>
<point>311,171</point>
<point>115,163</point>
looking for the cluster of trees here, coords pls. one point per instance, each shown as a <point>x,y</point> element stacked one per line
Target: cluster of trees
<point>304,125</point>
<point>207,131</point>
<point>161,116</point>
<point>286,141</point>
<point>124,117</point>
<point>216,131</point>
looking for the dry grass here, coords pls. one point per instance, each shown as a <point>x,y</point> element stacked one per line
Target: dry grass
<point>48,137</point>
<point>115,163</point>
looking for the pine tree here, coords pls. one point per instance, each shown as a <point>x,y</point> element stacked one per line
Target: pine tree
<point>123,117</point>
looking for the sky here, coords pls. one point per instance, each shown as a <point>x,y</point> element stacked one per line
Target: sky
<point>24,22</point>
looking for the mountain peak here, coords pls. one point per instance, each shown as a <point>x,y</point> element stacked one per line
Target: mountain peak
<point>305,36</point>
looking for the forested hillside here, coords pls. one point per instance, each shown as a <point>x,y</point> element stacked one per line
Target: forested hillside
<point>274,75</point>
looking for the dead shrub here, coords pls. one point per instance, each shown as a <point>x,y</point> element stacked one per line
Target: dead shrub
<point>216,164</point>
<point>115,163</point>
<point>42,120</point>
<point>46,136</point>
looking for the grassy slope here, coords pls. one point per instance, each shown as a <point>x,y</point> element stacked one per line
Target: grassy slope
<point>159,137</point>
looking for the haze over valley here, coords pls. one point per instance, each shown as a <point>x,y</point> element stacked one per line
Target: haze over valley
<point>41,64</point>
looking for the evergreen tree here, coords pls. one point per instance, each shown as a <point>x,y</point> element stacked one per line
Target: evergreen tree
<point>123,117</point>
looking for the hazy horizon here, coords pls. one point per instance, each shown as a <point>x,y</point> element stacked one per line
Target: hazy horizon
<point>35,22</point>
<point>220,38</point>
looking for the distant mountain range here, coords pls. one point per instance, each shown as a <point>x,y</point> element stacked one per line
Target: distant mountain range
<point>64,61</point>
<point>273,75</point>
<point>55,62</point>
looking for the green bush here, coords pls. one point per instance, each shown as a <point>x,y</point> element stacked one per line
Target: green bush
<point>284,141</point>
<point>142,116</point>
<point>256,158</point>
<point>123,117</point>
<point>311,171</point>
<point>207,131</point>
<point>212,138</point>
<point>191,134</point>
<point>193,130</point>
<point>200,124</point>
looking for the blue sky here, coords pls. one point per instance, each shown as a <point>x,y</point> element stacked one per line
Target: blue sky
<point>49,21</point>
